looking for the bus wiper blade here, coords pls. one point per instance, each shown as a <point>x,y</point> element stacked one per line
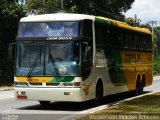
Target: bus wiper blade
<point>54,65</point>
<point>34,64</point>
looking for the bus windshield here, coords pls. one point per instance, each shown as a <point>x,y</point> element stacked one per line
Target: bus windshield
<point>49,29</point>
<point>48,58</point>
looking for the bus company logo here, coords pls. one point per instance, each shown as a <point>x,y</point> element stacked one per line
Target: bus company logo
<point>59,38</point>
<point>52,38</point>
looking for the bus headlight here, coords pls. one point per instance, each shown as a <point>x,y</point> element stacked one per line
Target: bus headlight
<point>75,84</point>
<point>21,93</point>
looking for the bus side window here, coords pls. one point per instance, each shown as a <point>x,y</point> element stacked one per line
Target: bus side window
<point>87,52</point>
<point>150,43</point>
<point>87,31</point>
<point>133,41</point>
<point>107,36</point>
<point>144,42</point>
<point>87,59</point>
<point>123,41</point>
<point>136,41</point>
<point>84,47</point>
<point>141,42</point>
<point>129,40</point>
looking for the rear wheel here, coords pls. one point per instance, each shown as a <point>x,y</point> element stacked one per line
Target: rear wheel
<point>139,88</point>
<point>44,103</point>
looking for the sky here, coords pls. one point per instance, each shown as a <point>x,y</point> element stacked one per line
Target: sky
<point>146,10</point>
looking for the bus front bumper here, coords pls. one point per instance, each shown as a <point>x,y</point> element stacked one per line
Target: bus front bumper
<point>50,94</point>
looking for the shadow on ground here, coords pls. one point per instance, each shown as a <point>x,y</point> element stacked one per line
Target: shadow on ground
<point>72,106</point>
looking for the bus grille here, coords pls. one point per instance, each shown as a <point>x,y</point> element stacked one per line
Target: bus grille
<point>52,84</point>
<point>35,83</point>
<point>40,84</point>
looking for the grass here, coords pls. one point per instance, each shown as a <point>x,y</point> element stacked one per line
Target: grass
<point>147,107</point>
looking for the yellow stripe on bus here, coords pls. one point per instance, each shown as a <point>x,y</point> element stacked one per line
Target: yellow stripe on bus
<point>34,79</point>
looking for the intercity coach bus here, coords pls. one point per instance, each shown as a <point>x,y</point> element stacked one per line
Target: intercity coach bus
<point>75,58</point>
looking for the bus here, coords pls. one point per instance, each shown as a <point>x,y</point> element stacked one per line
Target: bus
<point>75,57</point>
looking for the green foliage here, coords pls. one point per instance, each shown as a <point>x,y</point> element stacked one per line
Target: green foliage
<point>156,65</point>
<point>95,7</point>
<point>43,6</point>
<point>147,25</point>
<point>106,8</point>
<point>10,14</point>
<point>156,46</point>
<point>130,21</point>
<point>157,39</point>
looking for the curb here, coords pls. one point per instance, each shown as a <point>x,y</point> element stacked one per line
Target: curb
<point>6,89</point>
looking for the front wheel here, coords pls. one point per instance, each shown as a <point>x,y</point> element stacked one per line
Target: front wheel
<point>44,103</point>
<point>99,94</point>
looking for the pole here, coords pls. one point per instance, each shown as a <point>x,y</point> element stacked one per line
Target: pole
<point>135,17</point>
<point>62,6</point>
<point>137,21</point>
<point>152,25</point>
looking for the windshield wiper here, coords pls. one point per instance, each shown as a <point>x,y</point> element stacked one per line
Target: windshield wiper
<point>34,64</point>
<point>54,65</point>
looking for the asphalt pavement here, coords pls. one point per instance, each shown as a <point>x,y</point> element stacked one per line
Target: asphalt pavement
<point>11,109</point>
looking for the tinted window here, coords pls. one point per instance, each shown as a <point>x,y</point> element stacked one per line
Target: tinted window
<point>49,29</point>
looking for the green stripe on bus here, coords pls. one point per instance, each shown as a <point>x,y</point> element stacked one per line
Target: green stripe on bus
<point>108,22</point>
<point>63,79</point>
<point>115,70</point>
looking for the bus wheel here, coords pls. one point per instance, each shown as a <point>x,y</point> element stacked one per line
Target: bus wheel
<point>139,88</point>
<point>99,93</point>
<point>44,103</point>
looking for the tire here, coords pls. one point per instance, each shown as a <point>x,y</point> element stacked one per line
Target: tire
<point>45,103</point>
<point>139,88</point>
<point>99,94</point>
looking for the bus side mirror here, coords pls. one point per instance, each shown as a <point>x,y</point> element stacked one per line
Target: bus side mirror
<point>11,51</point>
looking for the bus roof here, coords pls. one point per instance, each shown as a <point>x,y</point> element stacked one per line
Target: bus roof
<point>56,17</point>
<point>77,17</point>
<point>122,25</point>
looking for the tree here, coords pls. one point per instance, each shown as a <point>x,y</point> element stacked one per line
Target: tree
<point>146,25</point>
<point>43,6</point>
<point>130,21</point>
<point>106,8</point>
<point>157,39</point>
<point>156,44</point>
<point>10,13</point>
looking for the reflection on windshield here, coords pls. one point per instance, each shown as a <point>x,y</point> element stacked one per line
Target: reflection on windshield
<point>30,56</point>
<point>34,64</point>
<point>66,58</point>
<point>49,29</point>
<point>33,61</point>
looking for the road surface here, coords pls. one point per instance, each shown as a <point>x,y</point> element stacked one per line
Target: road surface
<point>32,110</point>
